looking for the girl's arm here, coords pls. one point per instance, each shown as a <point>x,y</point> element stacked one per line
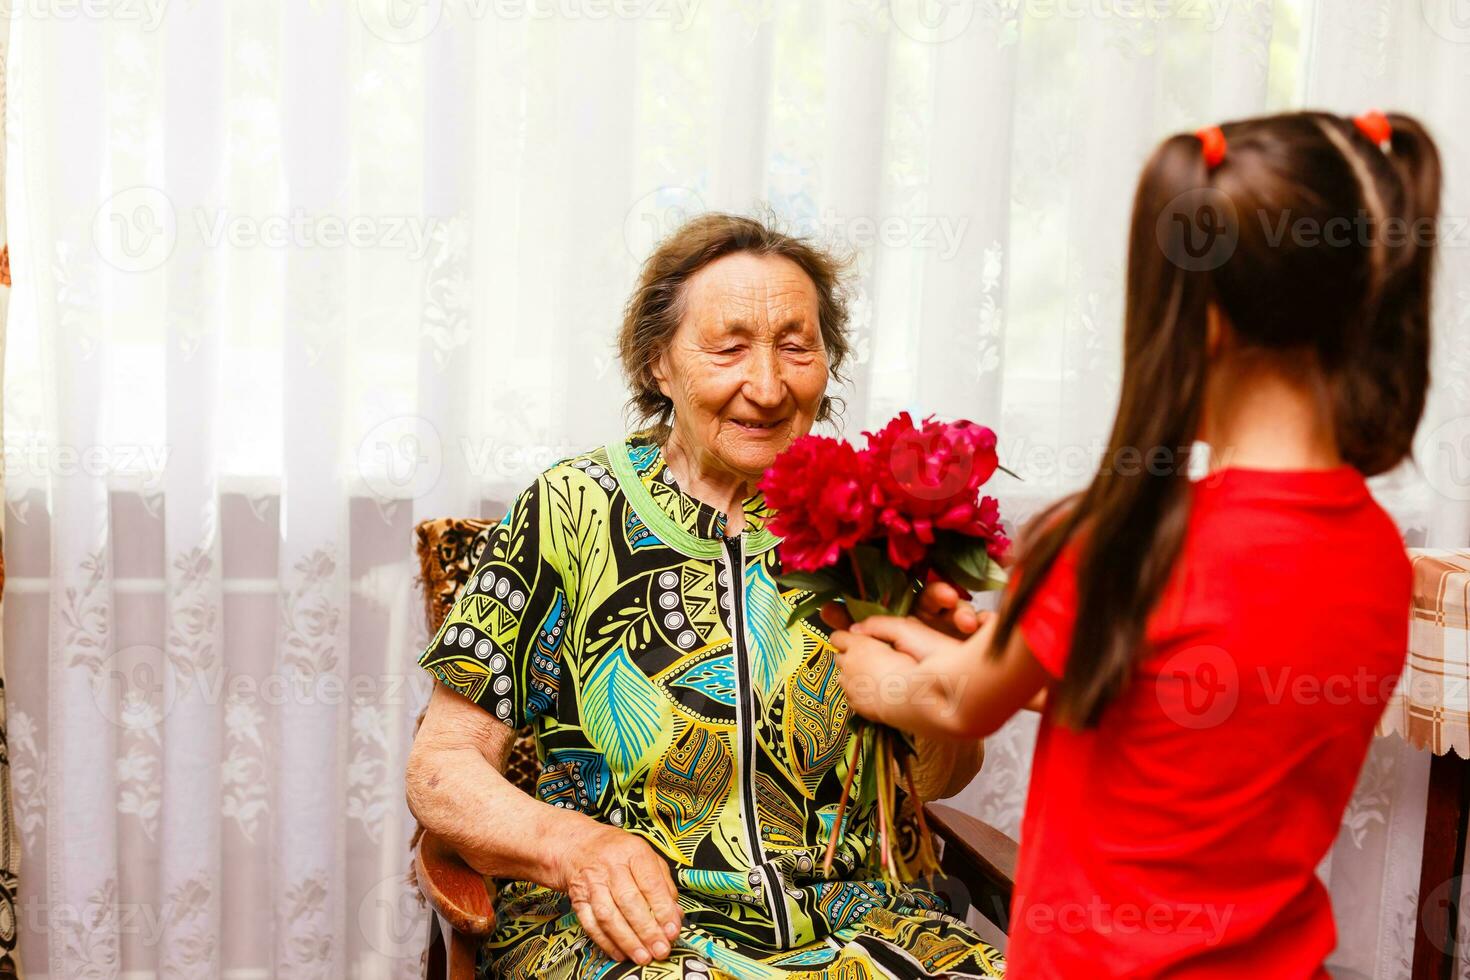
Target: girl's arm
<point>910,676</point>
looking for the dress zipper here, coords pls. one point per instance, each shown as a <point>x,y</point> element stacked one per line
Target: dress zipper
<point>745,723</point>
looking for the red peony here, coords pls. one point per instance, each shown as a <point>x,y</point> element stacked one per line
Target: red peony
<point>870,528</point>
<point>928,479</point>
<point>818,490</point>
<point>909,501</point>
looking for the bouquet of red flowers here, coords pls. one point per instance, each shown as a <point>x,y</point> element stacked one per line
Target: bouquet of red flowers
<point>870,528</point>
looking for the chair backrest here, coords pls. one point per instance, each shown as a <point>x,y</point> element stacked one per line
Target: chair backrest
<point>449,549</point>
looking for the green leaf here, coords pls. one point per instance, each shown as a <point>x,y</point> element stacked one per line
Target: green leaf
<point>868,556</point>
<point>810,581</point>
<point>1009,472</point>
<point>945,568</point>
<point>973,558</point>
<point>861,609</point>
<point>998,577</point>
<point>814,604</point>
<point>889,582</point>
<point>959,573</point>
<point>971,566</point>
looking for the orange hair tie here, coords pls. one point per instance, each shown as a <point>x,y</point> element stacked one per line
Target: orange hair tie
<point>1212,141</point>
<point>1375,125</point>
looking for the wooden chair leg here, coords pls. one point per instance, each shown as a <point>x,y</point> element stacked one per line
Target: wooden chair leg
<point>436,958</point>
<point>463,949</point>
<point>451,955</point>
<point>1445,815</point>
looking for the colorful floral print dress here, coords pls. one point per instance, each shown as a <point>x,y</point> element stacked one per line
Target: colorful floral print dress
<point>651,656</point>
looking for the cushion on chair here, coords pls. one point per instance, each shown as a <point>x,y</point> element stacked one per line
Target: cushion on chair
<point>449,548</point>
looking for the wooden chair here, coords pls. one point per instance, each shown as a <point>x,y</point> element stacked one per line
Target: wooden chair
<point>979,861</point>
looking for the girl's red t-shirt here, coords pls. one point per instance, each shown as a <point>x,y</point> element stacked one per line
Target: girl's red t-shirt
<point>1181,836</point>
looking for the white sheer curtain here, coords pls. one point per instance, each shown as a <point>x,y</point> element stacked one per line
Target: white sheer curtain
<point>291,277</point>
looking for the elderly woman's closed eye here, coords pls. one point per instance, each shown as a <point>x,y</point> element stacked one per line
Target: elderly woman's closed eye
<point>693,745</point>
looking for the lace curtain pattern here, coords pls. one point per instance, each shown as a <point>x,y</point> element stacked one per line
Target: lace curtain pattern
<point>9,843</point>
<point>291,277</point>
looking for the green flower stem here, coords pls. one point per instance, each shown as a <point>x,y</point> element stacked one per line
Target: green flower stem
<point>852,766</point>
<point>928,860</point>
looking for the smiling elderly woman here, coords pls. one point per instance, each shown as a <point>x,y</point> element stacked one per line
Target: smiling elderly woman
<point>693,746</point>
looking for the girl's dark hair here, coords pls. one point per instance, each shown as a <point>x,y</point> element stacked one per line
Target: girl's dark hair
<point>1317,246</point>
<point>656,307</point>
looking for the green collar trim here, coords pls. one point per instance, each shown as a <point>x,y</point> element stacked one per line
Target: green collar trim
<point>664,527</point>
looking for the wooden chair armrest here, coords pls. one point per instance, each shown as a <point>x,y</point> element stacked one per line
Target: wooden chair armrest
<point>980,857</point>
<point>991,851</point>
<point>457,892</point>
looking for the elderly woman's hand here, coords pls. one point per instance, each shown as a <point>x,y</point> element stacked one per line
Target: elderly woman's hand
<point>622,893</point>
<point>620,889</point>
<point>940,607</point>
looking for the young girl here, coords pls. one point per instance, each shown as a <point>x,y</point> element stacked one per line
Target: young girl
<point>1213,654</point>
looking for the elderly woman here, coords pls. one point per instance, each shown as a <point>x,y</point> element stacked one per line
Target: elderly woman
<point>693,746</point>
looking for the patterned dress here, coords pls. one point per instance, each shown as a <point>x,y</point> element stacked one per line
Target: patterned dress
<point>651,656</point>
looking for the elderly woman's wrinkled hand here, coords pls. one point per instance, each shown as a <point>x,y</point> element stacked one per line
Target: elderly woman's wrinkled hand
<point>940,607</point>
<point>622,893</point>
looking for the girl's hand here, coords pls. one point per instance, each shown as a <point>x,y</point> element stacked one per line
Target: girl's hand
<point>880,662</point>
<point>915,638</point>
<point>911,676</point>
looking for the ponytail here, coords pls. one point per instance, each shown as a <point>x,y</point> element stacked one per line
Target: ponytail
<point>1132,523</point>
<point>1382,383</point>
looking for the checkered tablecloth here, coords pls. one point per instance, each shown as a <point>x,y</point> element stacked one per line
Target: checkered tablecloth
<point>1431,707</point>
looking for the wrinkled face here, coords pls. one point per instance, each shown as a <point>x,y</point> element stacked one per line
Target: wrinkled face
<point>746,370</point>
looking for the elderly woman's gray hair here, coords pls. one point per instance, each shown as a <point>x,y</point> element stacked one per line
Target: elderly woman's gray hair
<point>657,304</point>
